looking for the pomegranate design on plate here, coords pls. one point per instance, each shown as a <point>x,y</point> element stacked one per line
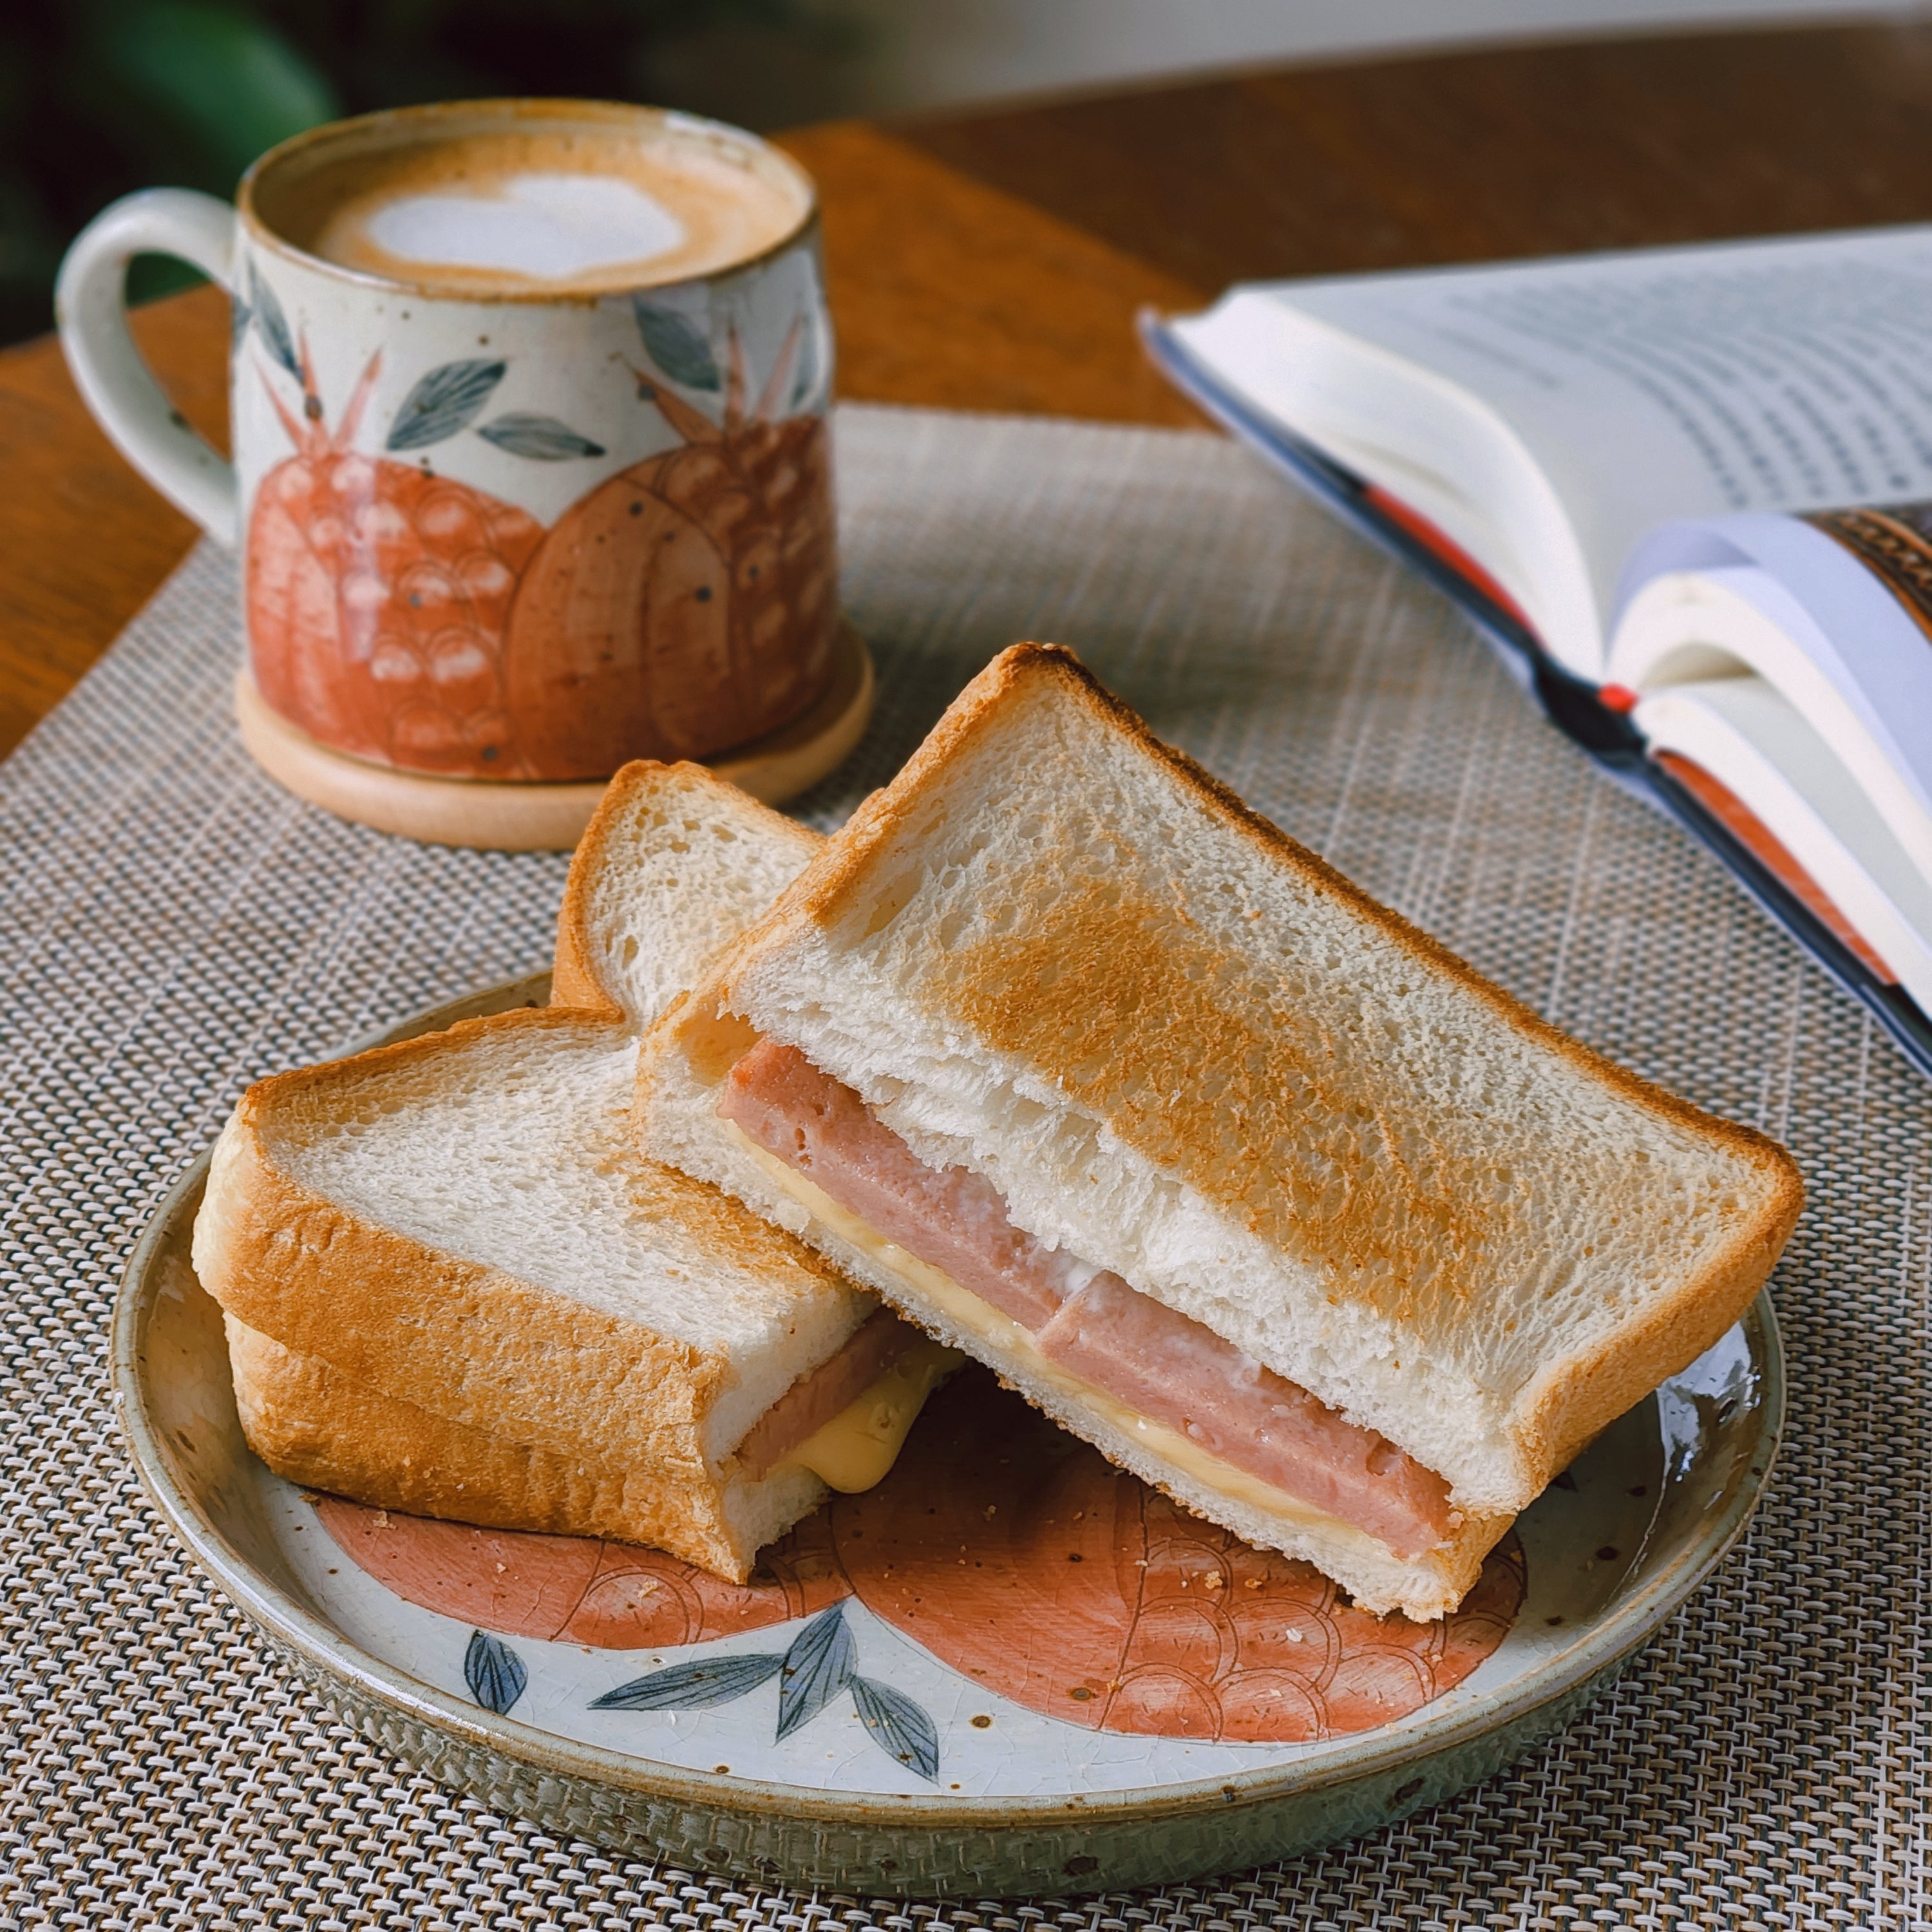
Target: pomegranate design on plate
<point>686,604</point>
<point>1012,1553</point>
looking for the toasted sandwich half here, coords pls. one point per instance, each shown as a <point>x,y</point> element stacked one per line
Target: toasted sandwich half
<point>1097,1075</point>
<point>453,1287</point>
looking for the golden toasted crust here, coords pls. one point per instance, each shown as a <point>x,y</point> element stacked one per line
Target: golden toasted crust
<point>1015,1007</point>
<point>316,1427</point>
<point>821,889</point>
<point>413,1321</point>
<point>1565,1407</point>
<point>574,979</point>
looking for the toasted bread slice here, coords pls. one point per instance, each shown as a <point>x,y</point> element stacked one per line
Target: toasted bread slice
<point>452,1286</point>
<point>674,865</point>
<point>323,1429</point>
<point>1056,953</point>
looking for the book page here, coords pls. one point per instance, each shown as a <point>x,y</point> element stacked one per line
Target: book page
<point>1837,854</point>
<point>1834,609</point>
<point>1679,383</point>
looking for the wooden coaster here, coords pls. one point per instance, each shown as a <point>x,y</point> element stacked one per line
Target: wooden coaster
<point>537,817</point>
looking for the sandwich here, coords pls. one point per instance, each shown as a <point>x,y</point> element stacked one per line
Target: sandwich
<point>1096,1075</point>
<point>453,1287</point>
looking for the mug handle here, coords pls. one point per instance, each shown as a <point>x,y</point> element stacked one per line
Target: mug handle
<point>90,309</point>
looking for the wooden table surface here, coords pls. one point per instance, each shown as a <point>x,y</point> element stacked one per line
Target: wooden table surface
<point>995,261</point>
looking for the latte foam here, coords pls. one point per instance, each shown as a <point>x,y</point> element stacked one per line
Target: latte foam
<point>544,211</point>
<point>550,227</point>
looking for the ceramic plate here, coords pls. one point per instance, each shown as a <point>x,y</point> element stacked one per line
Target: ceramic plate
<point>1010,1669</point>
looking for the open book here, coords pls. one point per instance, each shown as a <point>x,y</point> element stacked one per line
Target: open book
<point>1685,490</point>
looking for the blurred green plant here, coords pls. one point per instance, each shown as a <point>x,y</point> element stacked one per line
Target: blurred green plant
<point>100,97</point>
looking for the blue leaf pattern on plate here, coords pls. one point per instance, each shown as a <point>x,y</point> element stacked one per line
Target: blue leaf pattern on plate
<point>898,1726</point>
<point>817,1666</point>
<point>675,344</point>
<point>543,438</point>
<point>273,322</point>
<point>811,1674</point>
<point>445,401</point>
<point>497,1676</point>
<point>691,1687</point>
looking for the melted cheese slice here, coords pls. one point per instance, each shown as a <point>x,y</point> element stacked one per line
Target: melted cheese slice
<point>855,1450</point>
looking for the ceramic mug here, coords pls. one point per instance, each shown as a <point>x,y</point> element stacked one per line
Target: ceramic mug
<point>504,530</point>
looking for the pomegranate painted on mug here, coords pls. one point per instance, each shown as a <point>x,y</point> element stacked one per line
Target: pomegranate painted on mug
<point>684,605</point>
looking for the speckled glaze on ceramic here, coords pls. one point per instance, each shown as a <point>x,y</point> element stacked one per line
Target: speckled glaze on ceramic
<point>518,536</point>
<point>815,1739</point>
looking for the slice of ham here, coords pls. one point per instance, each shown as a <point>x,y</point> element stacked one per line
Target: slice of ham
<point>949,1217</point>
<point>820,1393</point>
<point>1160,1363</point>
<point>1175,1370</point>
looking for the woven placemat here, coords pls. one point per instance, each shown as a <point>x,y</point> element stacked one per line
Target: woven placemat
<point>173,927</point>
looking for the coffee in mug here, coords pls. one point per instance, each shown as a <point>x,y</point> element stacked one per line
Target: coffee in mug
<point>583,213</point>
<point>532,473</point>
